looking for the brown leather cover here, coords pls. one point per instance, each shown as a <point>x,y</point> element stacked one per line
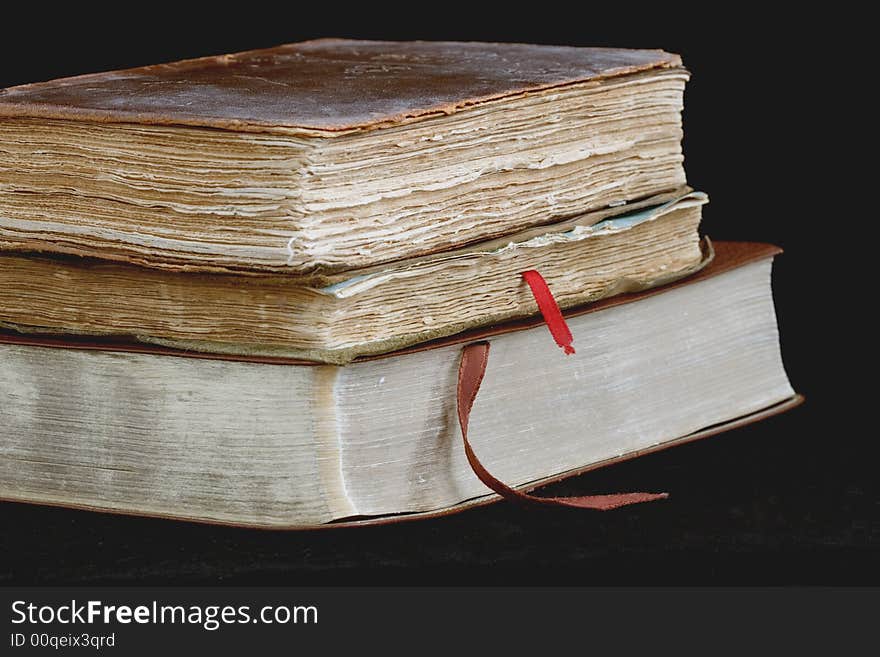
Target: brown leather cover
<point>325,85</point>
<point>728,255</point>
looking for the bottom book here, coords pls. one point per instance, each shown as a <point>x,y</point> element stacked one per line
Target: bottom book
<point>128,428</point>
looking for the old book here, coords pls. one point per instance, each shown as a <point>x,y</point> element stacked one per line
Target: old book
<point>331,155</point>
<point>133,428</point>
<point>365,311</point>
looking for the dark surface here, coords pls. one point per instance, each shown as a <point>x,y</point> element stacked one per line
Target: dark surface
<point>792,500</point>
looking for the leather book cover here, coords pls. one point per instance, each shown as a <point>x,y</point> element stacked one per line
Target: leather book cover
<point>323,85</point>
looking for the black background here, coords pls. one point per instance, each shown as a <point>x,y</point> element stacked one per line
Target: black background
<point>791,500</point>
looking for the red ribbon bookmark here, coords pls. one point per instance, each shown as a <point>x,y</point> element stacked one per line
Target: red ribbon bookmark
<point>549,309</point>
<point>471,369</point>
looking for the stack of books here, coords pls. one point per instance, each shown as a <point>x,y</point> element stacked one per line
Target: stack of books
<point>352,281</point>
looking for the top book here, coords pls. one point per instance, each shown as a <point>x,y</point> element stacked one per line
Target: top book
<point>333,154</point>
